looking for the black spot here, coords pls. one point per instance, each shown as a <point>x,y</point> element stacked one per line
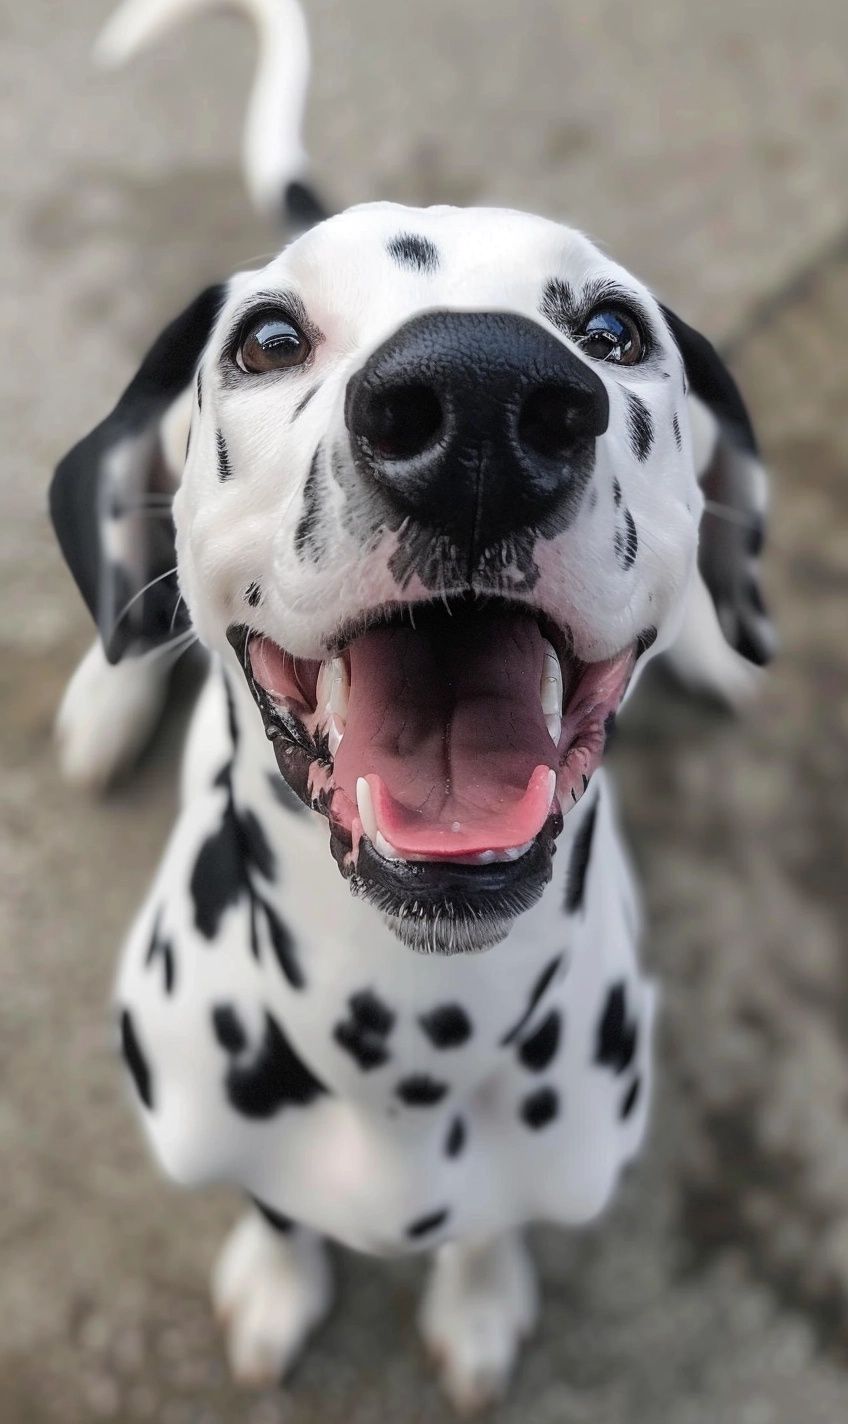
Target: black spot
<point>283,947</point>
<point>626,542</point>
<point>283,792</point>
<point>283,1224</point>
<point>757,650</point>
<point>302,404</point>
<point>578,865</point>
<point>161,948</point>
<point>217,878</point>
<point>559,304</point>
<point>455,1140</point>
<point>368,1051</point>
<point>447,1026</point>
<point>421,1091</point>
<point>755,598</point>
<point>616,492</point>
<point>540,1108</point>
<point>364,1032</point>
<point>225,471</point>
<point>228,1028</point>
<point>678,438</point>
<point>253,593</point>
<point>411,250</point>
<point>537,1051</point>
<point>425,1224</point>
<point>302,207</point>
<point>645,640</point>
<point>616,1041</point>
<point>307,539</point>
<point>276,1078</point>
<point>641,426</point>
<point>630,1099</point>
<point>135,1060</point>
<point>371,1013</point>
<point>199,393</point>
<point>536,993</point>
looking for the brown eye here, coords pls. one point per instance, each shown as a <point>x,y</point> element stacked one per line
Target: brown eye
<point>612,334</point>
<point>270,342</point>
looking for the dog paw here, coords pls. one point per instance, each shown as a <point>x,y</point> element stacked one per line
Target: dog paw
<point>107,716</point>
<point>270,1292</point>
<point>481,1302</point>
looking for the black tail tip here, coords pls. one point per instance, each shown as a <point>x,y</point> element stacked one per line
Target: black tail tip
<point>302,208</point>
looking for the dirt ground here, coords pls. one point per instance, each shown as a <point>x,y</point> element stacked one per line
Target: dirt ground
<point>707,147</point>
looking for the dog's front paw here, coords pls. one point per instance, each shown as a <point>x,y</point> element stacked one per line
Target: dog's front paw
<point>481,1302</point>
<point>269,1291</point>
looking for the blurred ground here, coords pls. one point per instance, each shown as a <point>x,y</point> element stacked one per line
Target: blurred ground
<point>707,147</point>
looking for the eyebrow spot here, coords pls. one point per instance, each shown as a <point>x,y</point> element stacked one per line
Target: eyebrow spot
<point>559,304</point>
<point>417,253</point>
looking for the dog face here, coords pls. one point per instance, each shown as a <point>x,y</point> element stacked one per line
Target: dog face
<point>440,497</point>
<point>438,494</point>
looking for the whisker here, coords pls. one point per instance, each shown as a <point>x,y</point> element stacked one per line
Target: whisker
<point>733,516</point>
<point>140,594</point>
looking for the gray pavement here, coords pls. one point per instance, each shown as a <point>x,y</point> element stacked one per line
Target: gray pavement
<point>707,147</point>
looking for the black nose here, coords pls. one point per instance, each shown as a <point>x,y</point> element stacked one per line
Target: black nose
<point>477,423</point>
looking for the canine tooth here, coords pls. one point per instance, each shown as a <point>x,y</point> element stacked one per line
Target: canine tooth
<point>550,689</point>
<point>333,687</point>
<point>365,807</point>
<point>551,693</point>
<point>335,732</point>
<point>554,726</point>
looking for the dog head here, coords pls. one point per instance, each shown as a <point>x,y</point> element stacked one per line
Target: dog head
<point>440,498</point>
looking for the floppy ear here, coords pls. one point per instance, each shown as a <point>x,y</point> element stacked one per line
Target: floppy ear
<point>735,488</point>
<point>110,498</point>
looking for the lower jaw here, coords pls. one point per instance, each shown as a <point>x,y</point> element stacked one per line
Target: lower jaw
<point>443,907</point>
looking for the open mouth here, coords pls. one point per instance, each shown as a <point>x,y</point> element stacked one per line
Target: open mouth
<point>445,742</point>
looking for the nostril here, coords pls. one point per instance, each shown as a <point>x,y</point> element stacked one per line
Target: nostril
<point>549,421</point>
<point>403,421</point>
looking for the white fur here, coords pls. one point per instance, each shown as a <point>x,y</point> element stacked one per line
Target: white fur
<point>270,1292</point>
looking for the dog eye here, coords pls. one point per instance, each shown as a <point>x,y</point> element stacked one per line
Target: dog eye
<point>270,342</point>
<point>612,334</point>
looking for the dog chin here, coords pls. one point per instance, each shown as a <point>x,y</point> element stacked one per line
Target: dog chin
<point>449,933</point>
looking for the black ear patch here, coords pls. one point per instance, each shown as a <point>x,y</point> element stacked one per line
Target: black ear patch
<point>414,252</point>
<point>734,484</point>
<point>114,483</point>
<point>302,208</point>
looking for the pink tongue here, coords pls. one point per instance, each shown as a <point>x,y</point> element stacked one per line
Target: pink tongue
<point>445,723</point>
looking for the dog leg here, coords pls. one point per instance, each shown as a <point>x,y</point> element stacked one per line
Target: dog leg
<point>270,1289</point>
<point>481,1302</point>
<point>107,715</point>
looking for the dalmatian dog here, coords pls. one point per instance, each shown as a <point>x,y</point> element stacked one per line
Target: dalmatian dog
<point>432,487</point>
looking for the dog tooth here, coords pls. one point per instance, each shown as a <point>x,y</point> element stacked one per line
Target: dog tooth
<point>550,687</point>
<point>365,807</point>
<point>553,722</point>
<point>385,848</point>
<point>335,732</point>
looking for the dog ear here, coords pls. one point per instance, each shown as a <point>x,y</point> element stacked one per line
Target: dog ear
<point>735,487</point>
<point>110,498</point>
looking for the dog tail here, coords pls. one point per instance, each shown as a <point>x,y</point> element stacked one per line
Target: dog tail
<point>274,160</point>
